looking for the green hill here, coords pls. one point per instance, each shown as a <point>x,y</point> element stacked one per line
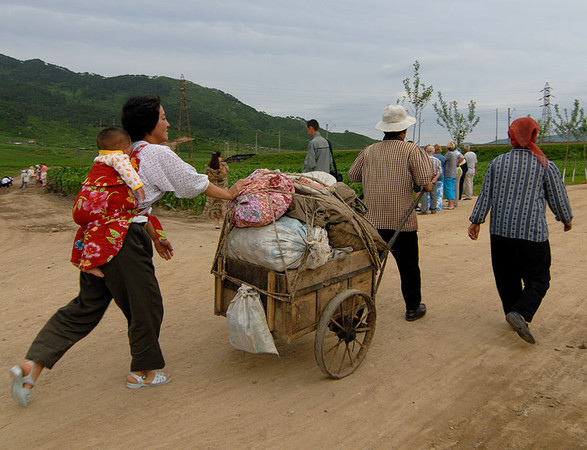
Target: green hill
<point>53,106</point>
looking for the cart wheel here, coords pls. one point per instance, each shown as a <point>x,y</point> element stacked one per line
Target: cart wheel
<point>345,331</point>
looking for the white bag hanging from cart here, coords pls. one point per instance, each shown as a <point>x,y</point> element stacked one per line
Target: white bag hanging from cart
<point>247,325</point>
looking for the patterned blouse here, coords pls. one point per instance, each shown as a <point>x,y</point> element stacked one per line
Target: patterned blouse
<point>516,188</point>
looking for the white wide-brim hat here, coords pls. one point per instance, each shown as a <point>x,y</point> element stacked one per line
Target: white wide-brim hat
<point>394,118</point>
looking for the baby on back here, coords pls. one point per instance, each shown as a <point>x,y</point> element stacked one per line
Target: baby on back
<point>105,205</point>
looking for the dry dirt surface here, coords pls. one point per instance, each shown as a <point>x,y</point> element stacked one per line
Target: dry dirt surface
<point>458,378</point>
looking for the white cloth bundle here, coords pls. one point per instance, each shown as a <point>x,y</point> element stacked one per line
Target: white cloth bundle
<point>287,238</point>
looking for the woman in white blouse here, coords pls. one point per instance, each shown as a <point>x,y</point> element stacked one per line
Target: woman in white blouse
<point>129,277</point>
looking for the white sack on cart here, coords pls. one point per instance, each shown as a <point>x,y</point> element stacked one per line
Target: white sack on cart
<point>247,325</point>
<point>261,245</point>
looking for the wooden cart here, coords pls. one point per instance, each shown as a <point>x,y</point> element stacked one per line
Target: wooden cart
<point>337,300</point>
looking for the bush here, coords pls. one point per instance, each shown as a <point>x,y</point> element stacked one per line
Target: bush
<point>68,179</point>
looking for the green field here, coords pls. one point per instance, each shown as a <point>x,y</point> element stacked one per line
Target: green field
<point>68,167</point>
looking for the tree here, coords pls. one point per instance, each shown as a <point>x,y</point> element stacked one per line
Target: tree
<point>458,125</point>
<point>544,128</point>
<point>419,95</point>
<point>569,124</point>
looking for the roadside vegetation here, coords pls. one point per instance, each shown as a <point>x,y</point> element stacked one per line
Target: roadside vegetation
<point>69,167</point>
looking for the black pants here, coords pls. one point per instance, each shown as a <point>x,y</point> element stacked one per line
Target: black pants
<point>130,279</point>
<point>522,273</point>
<point>405,251</point>
<point>459,194</point>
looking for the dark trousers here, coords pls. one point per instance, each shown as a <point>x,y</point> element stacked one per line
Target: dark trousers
<point>130,279</point>
<point>522,273</point>
<point>405,252</point>
<point>459,188</point>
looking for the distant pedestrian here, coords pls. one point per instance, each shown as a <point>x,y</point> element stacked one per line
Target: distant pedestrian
<point>450,174</point>
<point>31,176</point>
<point>440,182</point>
<point>38,174</point>
<point>461,171</point>
<point>24,179</point>
<point>429,198</point>
<point>44,174</point>
<point>318,156</point>
<point>517,187</point>
<point>471,159</point>
<point>217,171</point>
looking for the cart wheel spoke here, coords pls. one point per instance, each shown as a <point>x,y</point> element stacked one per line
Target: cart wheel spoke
<point>351,360</point>
<point>350,319</point>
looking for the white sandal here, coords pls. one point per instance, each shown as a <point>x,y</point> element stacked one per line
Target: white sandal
<point>20,394</point>
<point>158,380</point>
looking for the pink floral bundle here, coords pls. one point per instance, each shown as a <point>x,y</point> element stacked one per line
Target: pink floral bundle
<point>266,199</point>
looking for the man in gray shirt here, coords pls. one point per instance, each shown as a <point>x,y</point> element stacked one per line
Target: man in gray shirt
<point>517,187</point>
<point>318,156</point>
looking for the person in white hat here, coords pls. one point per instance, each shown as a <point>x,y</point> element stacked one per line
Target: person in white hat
<point>388,171</point>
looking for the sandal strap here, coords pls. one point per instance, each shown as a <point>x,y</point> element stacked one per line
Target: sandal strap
<point>29,378</point>
<point>159,378</point>
<point>138,378</point>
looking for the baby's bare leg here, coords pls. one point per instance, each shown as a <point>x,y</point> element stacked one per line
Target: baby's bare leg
<point>96,271</point>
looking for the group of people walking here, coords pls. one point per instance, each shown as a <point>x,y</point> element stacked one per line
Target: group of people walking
<point>33,176</point>
<point>454,172</point>
<point>134,170</point>
<point>517,187</point>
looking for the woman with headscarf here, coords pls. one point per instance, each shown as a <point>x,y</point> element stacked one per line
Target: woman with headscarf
<point>517,187</point>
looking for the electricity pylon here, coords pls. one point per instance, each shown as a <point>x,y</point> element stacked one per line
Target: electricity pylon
<point>546,112</point>
<point>184,134</point>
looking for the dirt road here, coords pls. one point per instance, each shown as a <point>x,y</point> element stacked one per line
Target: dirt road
<point>459,378</point>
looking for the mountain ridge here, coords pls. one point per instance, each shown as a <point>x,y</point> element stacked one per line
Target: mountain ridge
<point>52,105</point>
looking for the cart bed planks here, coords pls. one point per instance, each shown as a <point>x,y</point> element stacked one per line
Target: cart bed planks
<point>299,297</point>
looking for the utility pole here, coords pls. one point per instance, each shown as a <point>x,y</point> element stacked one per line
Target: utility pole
<point>183,122</point>
<point>496,121</point>
<point>279,143</point>
<point>509,123</point>
<point>327,130</point>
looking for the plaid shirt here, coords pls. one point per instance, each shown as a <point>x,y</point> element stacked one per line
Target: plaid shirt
<point>517,188</point>
<point>388,171</point>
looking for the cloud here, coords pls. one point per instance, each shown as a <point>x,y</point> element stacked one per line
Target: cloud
<point>339,61</point>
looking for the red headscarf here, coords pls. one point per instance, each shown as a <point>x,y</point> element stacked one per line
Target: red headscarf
<point>523,133</point>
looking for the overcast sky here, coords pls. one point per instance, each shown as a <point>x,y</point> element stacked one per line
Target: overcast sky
<point>337,61</point>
